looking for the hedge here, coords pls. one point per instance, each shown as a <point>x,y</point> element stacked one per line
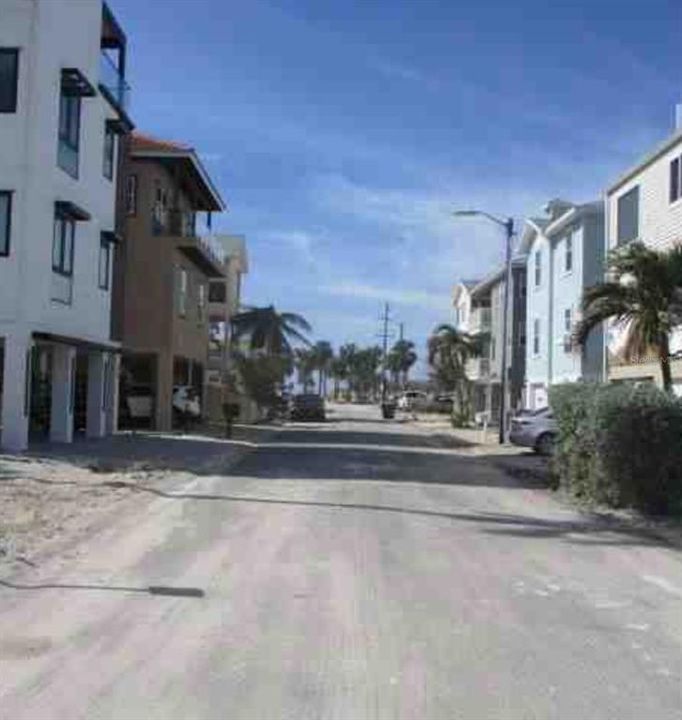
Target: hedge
<point>619,444</point>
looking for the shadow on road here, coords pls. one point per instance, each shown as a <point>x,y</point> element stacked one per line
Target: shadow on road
<point>593,529</point>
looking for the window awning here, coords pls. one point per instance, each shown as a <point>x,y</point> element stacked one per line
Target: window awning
<point>71,210</point>
<point>120,126</point>
<point>111,237</point>
<point>74,83</point>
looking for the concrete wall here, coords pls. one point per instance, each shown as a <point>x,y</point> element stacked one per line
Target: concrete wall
<point>28,166</point>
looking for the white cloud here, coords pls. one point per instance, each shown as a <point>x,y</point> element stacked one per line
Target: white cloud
<point>419,298</point>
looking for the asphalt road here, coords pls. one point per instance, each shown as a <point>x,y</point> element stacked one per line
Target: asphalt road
<point>354,570</point>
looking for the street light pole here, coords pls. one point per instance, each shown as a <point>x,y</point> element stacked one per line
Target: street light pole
<point>508,225</point>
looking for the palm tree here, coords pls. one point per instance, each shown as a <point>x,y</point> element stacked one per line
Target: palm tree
<point>643,295</point>
<point>401,358</point>
<point>338,369</point>
<point>270,331</point>
<point>449,350</point>
<point>305,366</point>
<point>323,354</point>
<point>347,354</point>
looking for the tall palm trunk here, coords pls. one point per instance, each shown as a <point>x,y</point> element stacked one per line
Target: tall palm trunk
<point>664,360</point>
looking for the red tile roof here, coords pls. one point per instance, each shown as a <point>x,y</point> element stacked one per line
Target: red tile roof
<point>142,142</point>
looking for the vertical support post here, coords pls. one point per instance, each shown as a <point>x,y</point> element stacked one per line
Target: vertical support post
<point>112,388</point>
<point>63,393</point>
<point>16,395</point>
<point>98,369</point>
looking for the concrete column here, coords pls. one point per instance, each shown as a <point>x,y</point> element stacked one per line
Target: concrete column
<point>112,393</point>
<point>16,393</point>
<point>63,393</point>
<point>98,368</point>
<point>164,392</point>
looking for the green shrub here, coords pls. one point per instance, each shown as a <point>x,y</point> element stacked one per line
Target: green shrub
<point>619,444</point>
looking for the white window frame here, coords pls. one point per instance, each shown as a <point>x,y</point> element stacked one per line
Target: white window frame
<point>182,292</point>
<point>131,195</point>
<point>104,256</point>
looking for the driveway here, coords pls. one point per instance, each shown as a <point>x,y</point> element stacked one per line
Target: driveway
<point>355,569</point>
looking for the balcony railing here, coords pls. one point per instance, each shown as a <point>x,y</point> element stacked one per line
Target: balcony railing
<point>113,83</point>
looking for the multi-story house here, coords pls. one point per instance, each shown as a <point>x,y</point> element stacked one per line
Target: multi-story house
<point>63,104</point>
<point>224,301</point>
<point>645,204</point>
<point>479,308</point>
<point>162,274</point>
<point>565,251</point>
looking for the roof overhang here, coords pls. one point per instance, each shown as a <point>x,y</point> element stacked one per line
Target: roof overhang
<point>654,155</point>
<point>69,209</point>
<point>75,84</point>
<point>83,343</point>
<point>187,161</point>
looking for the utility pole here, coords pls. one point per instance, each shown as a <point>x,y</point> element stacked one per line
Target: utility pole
<point>385,318</point>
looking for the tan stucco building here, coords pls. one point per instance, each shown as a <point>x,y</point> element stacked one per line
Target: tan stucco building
<point>161,277</point>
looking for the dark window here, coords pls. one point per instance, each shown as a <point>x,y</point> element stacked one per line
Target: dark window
<point>5,220</point>
<point>9,75</point>
<point>69,133</point>
<point>538,268</point>
<point>104,261</point>
<point>63,245</point>
<point>536,337</point>
<point>109,152</point>
<point>568,258</point>
<point>217,292</point>
<point>628,216</point>
<point>676,179</point>
<point>131,194</point>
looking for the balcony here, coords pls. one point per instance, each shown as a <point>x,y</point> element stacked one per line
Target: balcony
<point>480,320</point>
<point>113,84</point>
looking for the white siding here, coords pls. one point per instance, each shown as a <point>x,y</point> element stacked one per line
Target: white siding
<point>660,222</point>
<point>44,32</point>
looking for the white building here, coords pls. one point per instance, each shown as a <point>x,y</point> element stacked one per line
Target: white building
<point>645,204</point>
<point>565,252</point>
<point>62,105</point>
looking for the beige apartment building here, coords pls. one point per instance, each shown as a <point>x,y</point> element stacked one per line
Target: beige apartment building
<point>162,272</point>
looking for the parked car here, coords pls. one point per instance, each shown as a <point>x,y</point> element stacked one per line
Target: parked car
<point>412,400</point>
<point>308,406</point>
<point>536,430</point>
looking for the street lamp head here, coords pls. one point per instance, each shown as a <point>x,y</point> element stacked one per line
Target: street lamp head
<point>466,213</point>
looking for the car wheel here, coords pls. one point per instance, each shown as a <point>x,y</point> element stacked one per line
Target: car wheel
<point>544,445</point>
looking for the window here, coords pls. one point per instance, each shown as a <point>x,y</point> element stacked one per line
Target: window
<point>104,261</point>
<point>536,336</point>
<point>492,348</point>
<point>217,291</point>
<point>5,221</point>
<point>131,195</point>
<point>568,320</point>
<point>676,179</point>
<point>69,133</point>
<point>628,216</point>
<point>159,209</point>
<point>63,245</point>
<point>538,268</point>
<point>568,256</point>
<point>182,292</point>
<point>9,76</point>
<point>109,152</point>
<point>201,302</point>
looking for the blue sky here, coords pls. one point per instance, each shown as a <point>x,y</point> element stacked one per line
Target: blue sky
<point>343,133</point>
